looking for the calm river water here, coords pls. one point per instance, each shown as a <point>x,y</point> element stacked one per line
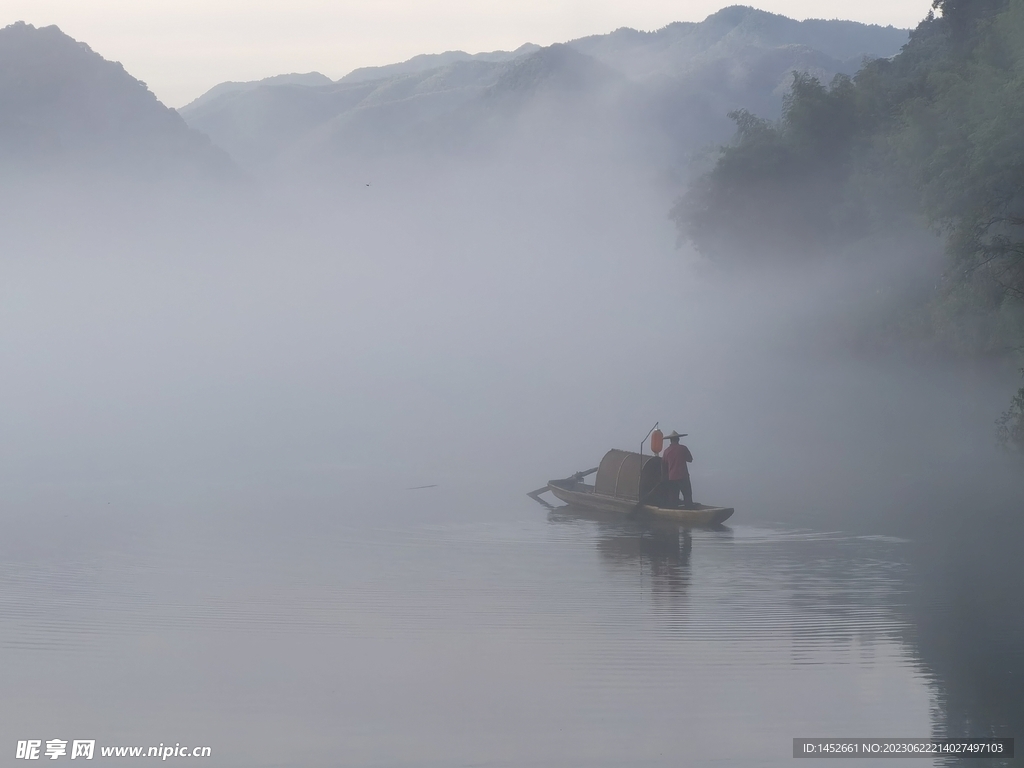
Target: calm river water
<point>424,629</point>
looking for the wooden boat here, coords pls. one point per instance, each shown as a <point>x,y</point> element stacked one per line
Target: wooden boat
<point>630,484</point>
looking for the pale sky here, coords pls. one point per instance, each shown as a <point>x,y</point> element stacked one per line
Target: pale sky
<point>180,48</point>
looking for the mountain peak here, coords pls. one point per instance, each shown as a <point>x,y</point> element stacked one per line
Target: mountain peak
<point>735,14</point>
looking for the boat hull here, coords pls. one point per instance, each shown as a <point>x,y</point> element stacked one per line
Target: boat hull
<point>698,515</point>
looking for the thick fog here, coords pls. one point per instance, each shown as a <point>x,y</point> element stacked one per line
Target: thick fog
<point>484,326</point>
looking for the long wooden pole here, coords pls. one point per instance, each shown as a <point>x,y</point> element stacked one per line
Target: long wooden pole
<point>640,472</point>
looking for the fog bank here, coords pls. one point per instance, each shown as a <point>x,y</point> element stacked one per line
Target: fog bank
<point>485,329</point>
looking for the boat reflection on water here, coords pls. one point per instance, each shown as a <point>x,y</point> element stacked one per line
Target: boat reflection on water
<point>825,593</point>
<point>653,549</point>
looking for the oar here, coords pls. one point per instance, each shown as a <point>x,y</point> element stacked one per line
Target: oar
<point>577,476</point>
<point>541,501</point>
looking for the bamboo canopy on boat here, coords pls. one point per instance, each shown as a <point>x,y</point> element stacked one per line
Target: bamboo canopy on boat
<point>627,475</point>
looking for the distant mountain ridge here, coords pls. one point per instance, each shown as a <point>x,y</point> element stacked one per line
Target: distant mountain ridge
<point>678,81</point>
<point>231,86</point>
<point>679,46</point>
<point>668,91</point>
<point>427,61</point>
<point>64,107</point>
<point>416,65</point>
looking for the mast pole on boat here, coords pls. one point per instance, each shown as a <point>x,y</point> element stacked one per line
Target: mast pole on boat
<point>640,474</point>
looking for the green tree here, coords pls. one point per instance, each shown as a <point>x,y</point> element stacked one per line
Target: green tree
<point>1010,426</point>
<point>778,189</point>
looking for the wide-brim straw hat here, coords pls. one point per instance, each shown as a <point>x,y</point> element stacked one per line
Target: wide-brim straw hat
<point>674,434</point>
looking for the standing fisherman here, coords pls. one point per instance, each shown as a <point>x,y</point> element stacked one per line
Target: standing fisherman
<point>676,458</point>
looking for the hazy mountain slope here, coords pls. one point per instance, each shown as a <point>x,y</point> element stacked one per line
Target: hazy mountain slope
<point>552,96</point>
<point>270,126</point>
<point>64,107</point>
<point>257,125</point>
<point>427,61</point>
<point>559,67</point>
<point>295,78</point>
<point>680,47</point>
<point>271,121</point>
<point>695,108</point>
<point>739,57</point>
<point>548,97</point>
<point>667,88</point>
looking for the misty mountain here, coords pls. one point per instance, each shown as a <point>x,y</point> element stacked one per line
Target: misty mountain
<point>627,91</point>
<point>474,108</point>
<point>271,124</point>
<point>63,107</point>
<point>733,32</point>
<point>281,125</point>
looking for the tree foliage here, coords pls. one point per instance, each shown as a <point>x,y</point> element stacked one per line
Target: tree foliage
<point>779,187</point>
<point>1010,425</point>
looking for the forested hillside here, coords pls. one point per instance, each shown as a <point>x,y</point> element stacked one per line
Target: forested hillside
<point>930,138</point>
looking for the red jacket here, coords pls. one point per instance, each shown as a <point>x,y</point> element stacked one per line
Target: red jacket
<point>676,457</point>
